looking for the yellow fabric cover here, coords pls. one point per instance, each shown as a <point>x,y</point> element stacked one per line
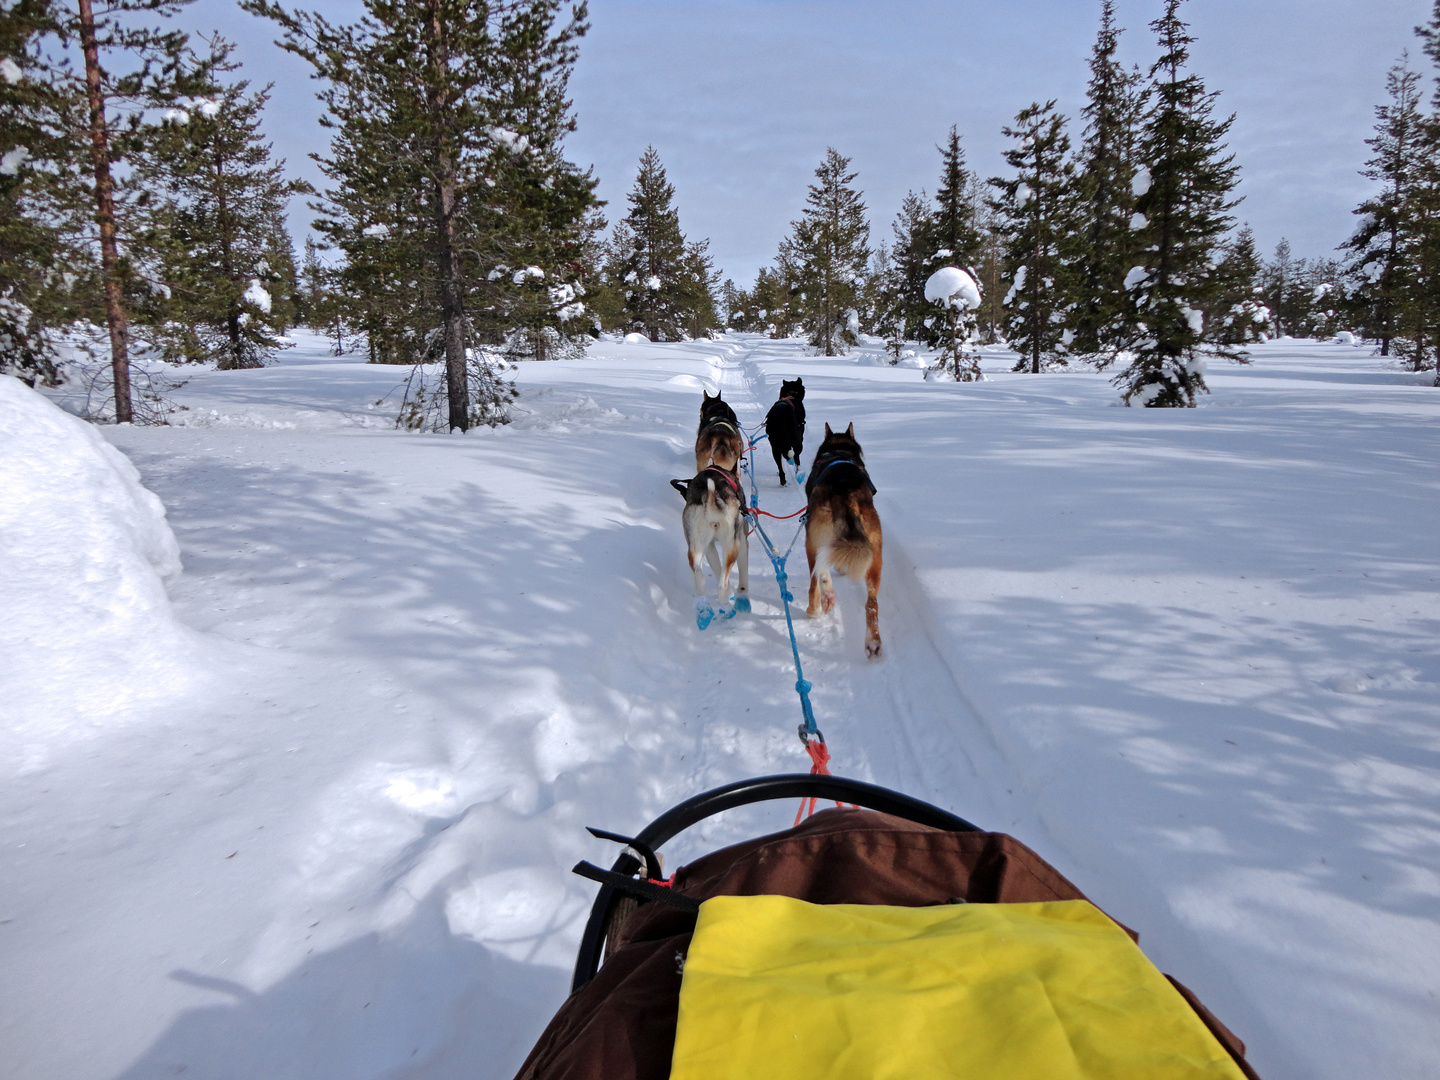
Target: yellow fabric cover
<point>778,989</point>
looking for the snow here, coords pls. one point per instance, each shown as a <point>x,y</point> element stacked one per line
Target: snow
<point>952,287</point>
<point>9,70</point>
<point>1140,182</point>
<point>1189,656</point>
<point>1135,277</point>
<point>1195,318</point>
<point>1345,337</point>
<point>256,294</point>
<point>379,230</point>
<point>87,627</point>
<point>1017,285</point>
<point>652,283</point>
<point>521,276</point>
<point>12,159</point>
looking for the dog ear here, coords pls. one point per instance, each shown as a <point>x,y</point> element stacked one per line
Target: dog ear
<point>706,393</point>
<point>850,431</point>
<point>828,432</point>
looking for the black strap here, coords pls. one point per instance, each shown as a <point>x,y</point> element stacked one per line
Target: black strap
<point>636,887</point>
<point>644,850</point>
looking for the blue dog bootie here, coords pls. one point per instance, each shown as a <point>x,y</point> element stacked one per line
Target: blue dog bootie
<point>742,605</point>
<point>704,613</point>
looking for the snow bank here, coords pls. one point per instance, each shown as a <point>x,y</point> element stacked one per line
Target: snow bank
<point>86,628</point>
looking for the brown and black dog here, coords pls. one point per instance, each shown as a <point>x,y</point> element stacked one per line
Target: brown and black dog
<point>718,440</point>
<point>842,529</point>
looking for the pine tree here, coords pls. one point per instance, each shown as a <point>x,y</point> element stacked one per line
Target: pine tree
<point>226,259</point>
<point>1378,248</point>
<point>130,69</point>
<point>990,263</point>
<point>654,269</point>
<point>1237,316</point>
<point>906,311</point>
<point>1418,323</point>
<point>828,252</point>
<point>458,216</point>
<point>1183,203</point>
<point>1037,214</point>
<point>1106,169</point>
<point>954,240</point>
<point>33,211</point>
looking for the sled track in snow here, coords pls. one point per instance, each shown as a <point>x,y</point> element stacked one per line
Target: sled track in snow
<point>885,732</point>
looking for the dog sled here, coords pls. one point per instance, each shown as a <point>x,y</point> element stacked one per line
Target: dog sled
<point>884,938</point>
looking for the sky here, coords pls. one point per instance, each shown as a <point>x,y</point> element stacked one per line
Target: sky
<point>742,97</point>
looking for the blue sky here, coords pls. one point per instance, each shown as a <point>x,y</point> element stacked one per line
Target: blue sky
<point>741,98</point>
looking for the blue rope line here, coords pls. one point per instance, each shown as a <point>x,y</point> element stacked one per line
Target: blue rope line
<point>802,687</point>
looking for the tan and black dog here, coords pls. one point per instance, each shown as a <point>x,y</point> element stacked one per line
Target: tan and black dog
<point>842,529</point>
<point>719,440</point>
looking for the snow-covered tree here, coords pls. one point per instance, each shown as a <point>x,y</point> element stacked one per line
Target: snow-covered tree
<point>1105,172</point>
<point>828,251</point>
<point>33,207</point>
<point>1183,198</point>
<point>1038,219</point>
<point>225,254</point>
<point>954,292</point>
<point>904,308</point>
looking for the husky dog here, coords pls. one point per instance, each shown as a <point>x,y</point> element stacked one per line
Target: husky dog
<point>719,439</point>
<point>842,529</point>
<point>785,425</point>
<point>714,521</point>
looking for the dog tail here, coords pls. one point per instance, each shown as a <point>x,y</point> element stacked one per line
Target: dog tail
<point>712,498</point>
<point>850,548</point>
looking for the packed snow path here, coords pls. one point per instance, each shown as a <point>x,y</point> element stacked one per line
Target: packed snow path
<point>1189,656</point>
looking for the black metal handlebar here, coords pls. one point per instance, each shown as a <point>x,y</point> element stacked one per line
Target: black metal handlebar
<point>742,793</point>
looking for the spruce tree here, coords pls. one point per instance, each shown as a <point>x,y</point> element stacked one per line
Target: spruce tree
<point>1418,338</point>
<point>1038,219</point>
<point>1379,249</point>
<point>1237,316</point>
<point>828,253</point>
<point>34,214</point>
<point>226,255</point>
<point>1106,169</point>
<point>954,240</point>
<point>906,310</point>
<point>654,268</point>
<point>459,218</point>
<point>1182,205</point>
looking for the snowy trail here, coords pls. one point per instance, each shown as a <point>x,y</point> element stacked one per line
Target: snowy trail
<point>1188,658</point>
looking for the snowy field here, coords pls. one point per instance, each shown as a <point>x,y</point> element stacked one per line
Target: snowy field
<point>312,816</point>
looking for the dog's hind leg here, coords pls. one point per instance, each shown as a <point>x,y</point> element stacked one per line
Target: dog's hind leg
<point>872,606</point>
<point>776,450</point>
<point>742,546</point>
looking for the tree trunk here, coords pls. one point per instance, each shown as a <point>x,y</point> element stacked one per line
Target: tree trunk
<point>115,318</point>
<point>452,310</point>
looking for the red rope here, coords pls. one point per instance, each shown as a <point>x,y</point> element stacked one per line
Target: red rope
<point>819,766</point>
<point>777,517</point>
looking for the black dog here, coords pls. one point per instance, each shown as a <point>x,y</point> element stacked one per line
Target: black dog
<point>785,425</point>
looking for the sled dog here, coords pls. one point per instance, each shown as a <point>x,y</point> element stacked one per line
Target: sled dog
<point>714,522</point>
<point>719,440</point>
<point>842,529</point>
<point>785,425</point>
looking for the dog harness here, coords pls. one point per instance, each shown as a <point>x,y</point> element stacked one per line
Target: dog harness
<point>729,479</point>
<point>815,482</point>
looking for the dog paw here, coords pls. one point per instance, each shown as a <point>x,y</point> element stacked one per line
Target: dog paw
<point>742,605</point>
<point>827,602</point>
<point>872,649</point>
<point>704,613</point>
